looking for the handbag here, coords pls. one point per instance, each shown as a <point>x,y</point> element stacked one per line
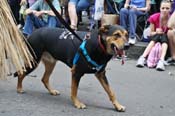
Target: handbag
<point>109,19</point>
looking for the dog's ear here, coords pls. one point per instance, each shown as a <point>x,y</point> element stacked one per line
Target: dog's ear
<point>104,29</point>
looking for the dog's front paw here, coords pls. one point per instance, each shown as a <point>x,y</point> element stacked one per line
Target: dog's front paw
<point>19,90</point>
<point>80,105</point>
<point>54,92</point>
<point>120,108</point>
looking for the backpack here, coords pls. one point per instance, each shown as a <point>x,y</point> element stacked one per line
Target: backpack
<point>154,55</point>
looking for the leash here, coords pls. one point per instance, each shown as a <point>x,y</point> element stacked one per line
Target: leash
<point>82,46</point>
<point>62,20</point>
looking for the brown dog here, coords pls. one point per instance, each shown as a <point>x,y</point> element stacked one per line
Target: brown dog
<point>89,56</point>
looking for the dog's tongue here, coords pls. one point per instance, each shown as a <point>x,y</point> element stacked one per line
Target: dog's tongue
<point>120,52</point>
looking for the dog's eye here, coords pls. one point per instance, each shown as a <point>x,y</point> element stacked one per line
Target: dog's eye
<point>117,35</point>
<point>126,35</point>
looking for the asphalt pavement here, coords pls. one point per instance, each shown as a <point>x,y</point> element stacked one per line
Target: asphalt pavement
<point>144,92</point>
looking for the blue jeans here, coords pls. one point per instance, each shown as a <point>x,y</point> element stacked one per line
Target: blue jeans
<point>34,22</point>
<point>128,20</point>
<point>80,4</point>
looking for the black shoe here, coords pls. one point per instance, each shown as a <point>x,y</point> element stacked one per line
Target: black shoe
<point>170,61</point>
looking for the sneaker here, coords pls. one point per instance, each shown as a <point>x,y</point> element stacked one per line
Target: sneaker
<point>19,26</point>
<point>132,40</point>
<point>160,66</point>
<point>170,61</point>
<point>141,62</point>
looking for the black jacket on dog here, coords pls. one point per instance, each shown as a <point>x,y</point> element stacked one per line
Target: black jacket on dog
<point>64,49</point>
<point>89,56</point>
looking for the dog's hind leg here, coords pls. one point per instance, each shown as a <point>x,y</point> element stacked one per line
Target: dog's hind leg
<point>74,89</point>
<point>49,66</point>
<point>21,78</point>
<point>104,82</point>
<point>19,84</point>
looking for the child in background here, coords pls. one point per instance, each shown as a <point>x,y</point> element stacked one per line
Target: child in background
<point>158,25</point>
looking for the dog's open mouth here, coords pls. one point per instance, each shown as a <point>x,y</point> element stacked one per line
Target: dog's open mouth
<point>118,52</point>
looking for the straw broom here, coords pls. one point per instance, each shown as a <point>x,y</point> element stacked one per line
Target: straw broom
<point>13,46</point>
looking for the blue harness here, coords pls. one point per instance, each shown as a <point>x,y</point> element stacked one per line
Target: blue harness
<point>87,57</point>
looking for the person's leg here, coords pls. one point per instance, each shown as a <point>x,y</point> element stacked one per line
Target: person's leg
<point>73,13</point>
<point>142,59</point>
<point>164,45</point>
<point>148,49</point>
<point>160,65</point>
<point>171,39</point>
<point>133,14</point>
<point>164,51</point>
<point>52,21</point>
<point>124,18</point>
<point>31,22</point>
<point>82,5</point>
<point>132,22</point>
<point>28,26</point>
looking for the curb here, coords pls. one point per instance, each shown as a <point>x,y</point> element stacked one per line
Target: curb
<point>136,50</point>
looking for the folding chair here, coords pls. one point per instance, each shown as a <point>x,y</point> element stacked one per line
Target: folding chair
<point>142,24</point>
<point>114,7</point>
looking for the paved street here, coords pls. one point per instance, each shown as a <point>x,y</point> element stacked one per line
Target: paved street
<point>144,92</point>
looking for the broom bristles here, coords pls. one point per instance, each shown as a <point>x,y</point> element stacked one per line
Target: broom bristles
<point>12,44</point>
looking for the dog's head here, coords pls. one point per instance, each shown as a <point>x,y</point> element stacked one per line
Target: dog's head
<point>114,37</point>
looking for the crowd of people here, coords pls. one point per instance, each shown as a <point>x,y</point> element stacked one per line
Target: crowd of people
<point>159,29</point>
<point>162,30</point>
<point>161,19</point>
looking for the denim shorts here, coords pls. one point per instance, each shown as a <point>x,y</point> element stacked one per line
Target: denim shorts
<point>80,4</point>
<point>73,1</point>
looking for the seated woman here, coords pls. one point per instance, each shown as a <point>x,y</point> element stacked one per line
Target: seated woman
<point>128,16</point>
<point>40,15</point>
<point>171,38</point>
<point>158,25</point>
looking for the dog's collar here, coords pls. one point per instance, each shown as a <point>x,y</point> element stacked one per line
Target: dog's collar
<point>101,45</point>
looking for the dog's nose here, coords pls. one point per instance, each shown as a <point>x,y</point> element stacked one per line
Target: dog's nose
<point>126,46</point>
